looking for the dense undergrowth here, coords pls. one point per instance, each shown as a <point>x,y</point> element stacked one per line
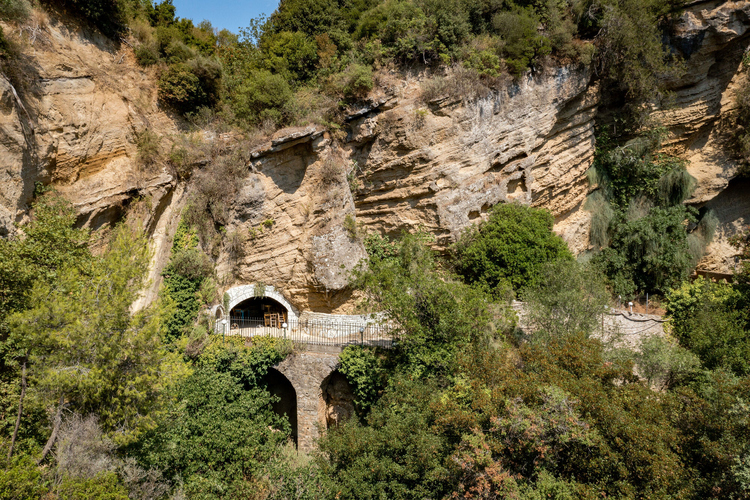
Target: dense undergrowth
<point>116,403</point>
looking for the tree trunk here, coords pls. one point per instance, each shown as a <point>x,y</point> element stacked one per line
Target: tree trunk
<point>55,429</point>
<point>20,410</point>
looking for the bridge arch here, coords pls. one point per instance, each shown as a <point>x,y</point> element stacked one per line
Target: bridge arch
<point>309,373</point>
<point>241,293</point>
<point>279,385</point>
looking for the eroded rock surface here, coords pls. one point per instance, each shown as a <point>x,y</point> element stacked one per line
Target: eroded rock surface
<point>404,163</point>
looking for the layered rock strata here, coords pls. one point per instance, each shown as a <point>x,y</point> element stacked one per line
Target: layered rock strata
<point>75,104</point>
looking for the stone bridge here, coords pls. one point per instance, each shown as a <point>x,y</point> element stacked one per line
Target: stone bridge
<point>314,395</point>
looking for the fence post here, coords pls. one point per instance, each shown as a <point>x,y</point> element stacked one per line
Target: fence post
<point>284,325</point>
<point>362,335</point>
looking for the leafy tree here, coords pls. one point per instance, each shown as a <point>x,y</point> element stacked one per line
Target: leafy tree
<point>435,316</point>
<point>290,54</point>
<point>639,218</point>
<point>509,248</point>
<point>21,478</point>
<point>188,271</point>
<point>87,351</point>
<point>567,298</point>
<point>523,44</point>
<point>307,16</point>
<point>364,370</point>
<point>718,334</point>
<point>664,363</point>
<point>50,244</point>
<point>105,486</point>
<point>396,455</point>
<point>162,13</point>
<point>189,86</point>
<point>110,16</point>
<point>712,418</point>
<point>220,432</point>
<point>631,48</point>
<point>650,253</point>
<point>263,96</point>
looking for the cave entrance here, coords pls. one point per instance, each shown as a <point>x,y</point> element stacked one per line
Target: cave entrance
<point>259,311</point>
<point>278,385</point>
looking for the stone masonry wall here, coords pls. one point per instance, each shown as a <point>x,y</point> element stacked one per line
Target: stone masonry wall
<point>307,370</point>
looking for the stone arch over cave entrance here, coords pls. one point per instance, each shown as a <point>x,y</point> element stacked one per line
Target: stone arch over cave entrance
<point>248,300</point>
<point>254,309</point>
<point>337,400</point>
<point>280,386</point>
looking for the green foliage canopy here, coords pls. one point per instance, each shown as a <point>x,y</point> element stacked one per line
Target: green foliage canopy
<point>85,347</point>
<point>220,431</point>
<point>509,248</point>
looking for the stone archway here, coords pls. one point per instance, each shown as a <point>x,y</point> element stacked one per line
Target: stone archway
<point>280,386</point>
<point>307,371</point>
<point>337,399</point>
<point>241,293</point>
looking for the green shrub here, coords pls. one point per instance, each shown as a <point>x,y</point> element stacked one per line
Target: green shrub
<point>21,479</point>
<point>354,82</point>
<point>180,88</point>
<point>14,10</point>
<point>510,248</point>
<point>184,276</point>
<point>209,73</point>
<point>223,433</point>
<point>105,486</point>
<point>191,263</point>
<point>401,26</point>
<point>109,16</point>
<point>310,17</point>
<point>188,86</point>
<point>567,298</point>
<point>708,318</point>
<point>634,56</point>
<point>263,96</point>
<point>290,54</point>
<point>518,28</point>
<point>485,63</point>
<point>177,52</point>
<point>664,363</point>
<point>639,217</point>
<point>166,36</point>
<point>146,55</point>
<point>648,254</point>
<point>364,370</point>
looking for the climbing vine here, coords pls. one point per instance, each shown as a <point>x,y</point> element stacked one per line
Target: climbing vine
<point>189,272</point>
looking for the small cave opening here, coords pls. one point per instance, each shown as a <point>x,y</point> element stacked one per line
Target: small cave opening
<point>286,406</point>
<point>338,399</point>
<point>516,187</point>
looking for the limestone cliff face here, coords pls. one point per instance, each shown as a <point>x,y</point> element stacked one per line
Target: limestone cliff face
<point>405,164</point>
<point>73,107</point>
<point>443,164</point>
<point>712,37</point>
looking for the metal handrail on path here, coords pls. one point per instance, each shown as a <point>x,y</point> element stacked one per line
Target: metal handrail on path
<point>315,332</point>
